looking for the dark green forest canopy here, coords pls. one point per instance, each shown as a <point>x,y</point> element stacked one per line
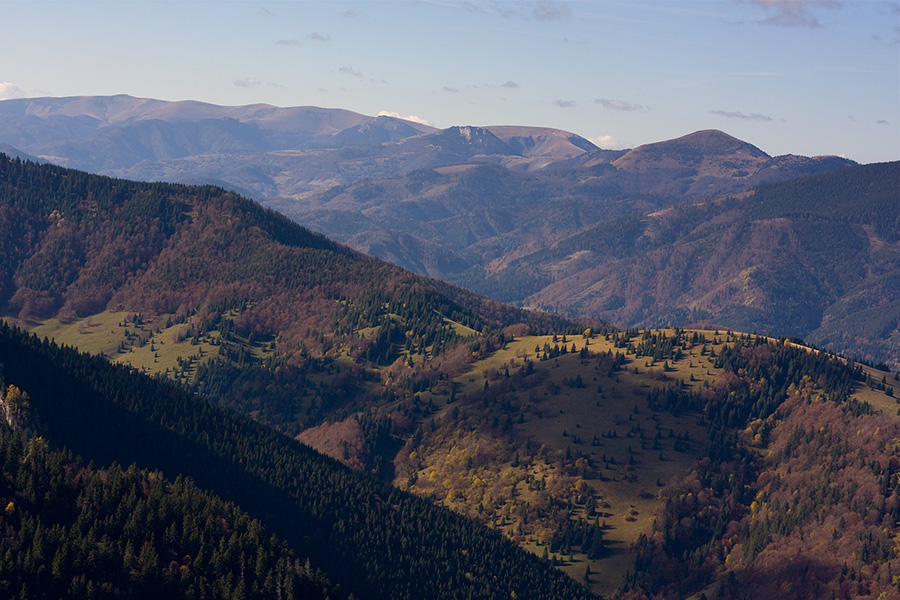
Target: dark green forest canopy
<point>73,531</point>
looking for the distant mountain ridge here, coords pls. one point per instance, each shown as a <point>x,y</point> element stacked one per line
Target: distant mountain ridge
<point>271,152</point>
<point>250,147</point>
<point>374,181</point>
<point>482,216</point>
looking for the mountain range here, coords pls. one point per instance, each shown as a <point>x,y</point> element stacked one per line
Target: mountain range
<point>262,150</point>
<point>514,213</point>
<point>272,152</point>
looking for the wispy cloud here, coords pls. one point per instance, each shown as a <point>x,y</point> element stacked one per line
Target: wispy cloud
<point>740,115</point>
<point>10,90</point>
<point>792,13</point>
<point>313,37</point>
<point>607,142</point>
<point>891,10</point>
<point>249,82</point>
<point>353,13</point>
<point>450,89</point>
<point>542,10</point>
<point>350,71</point>
<point>551,11</point>
<point>882,122</point>
<point>265,12</point>
<point>510,85</point>
<point>564,103</point>
<point>621,105</point>
<point>413,118</point>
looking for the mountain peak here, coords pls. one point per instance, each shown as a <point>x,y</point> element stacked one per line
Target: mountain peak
<point>707,142</point>
<point>699,150</point>
<point>710,162</point>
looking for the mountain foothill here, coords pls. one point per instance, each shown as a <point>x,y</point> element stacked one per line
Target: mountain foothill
<point>202,398</point>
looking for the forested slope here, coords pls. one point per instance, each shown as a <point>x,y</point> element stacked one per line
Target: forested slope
<point>816,258</point>
<point>798,497</point>
<point>202,281</point>
<point>368,537</point>
<point>73,531</point>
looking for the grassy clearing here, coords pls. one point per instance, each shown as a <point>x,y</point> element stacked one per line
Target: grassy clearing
<point>96,334</point>
<point>149,343</point>
<point>879,399</point>
<point>460,329</point>
<point>578,407</point>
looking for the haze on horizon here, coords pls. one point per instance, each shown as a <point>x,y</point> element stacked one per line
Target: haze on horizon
<point>807,77</point>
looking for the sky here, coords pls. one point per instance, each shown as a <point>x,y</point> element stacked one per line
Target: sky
<point>788,76</point>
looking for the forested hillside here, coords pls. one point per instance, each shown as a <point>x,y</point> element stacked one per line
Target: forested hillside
<point>799,496</point>
<point>368,537</point>
<point>74,531</point>
<point>200,280</point>
<point>816,258</point>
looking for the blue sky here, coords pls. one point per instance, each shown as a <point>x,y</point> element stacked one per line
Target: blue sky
<point>789,76</point>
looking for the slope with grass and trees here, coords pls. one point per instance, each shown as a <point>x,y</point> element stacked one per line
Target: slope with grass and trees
<point>369,538</point>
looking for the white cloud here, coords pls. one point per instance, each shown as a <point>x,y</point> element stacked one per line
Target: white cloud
<point>620,105</point>
<point>607,142</point>
<point>249,82</point>
<point>413,118</point>
<point>10,90</point>
<point>510,84</point>
<point>564,103</point>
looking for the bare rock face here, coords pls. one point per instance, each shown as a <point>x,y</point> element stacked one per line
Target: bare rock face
<point>15,408</point>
